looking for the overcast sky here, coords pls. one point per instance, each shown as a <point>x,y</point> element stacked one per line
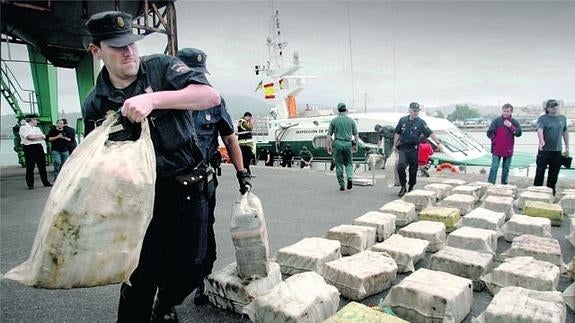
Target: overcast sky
<point>445,52</point>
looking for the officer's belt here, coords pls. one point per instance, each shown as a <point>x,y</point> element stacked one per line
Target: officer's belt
<point>196,175</point>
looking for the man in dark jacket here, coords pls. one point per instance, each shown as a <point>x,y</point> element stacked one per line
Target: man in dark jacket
<point>502,133</point>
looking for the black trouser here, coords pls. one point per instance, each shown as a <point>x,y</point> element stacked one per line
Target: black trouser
<point>407,157</point>
<point>173,251</point>
<point>544,158</point>
<point>247,156</point>
<point>34,155</point>
<point>211,254</point>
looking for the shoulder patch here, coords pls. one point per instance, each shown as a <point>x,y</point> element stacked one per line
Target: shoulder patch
<point>180,67</point>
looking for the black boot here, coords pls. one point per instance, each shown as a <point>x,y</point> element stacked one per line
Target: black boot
<point>401,191</point>
<point>200,298</point>
<point>349,184</point>
<point>410,188</point>
<point>163,313</point>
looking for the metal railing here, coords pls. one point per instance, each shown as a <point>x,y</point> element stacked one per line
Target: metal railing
<point>16,90</point>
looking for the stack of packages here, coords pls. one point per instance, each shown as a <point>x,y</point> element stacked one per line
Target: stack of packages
<point>252,275</point>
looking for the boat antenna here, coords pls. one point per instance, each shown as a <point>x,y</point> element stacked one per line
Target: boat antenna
<point>350,57</point>
<point>393,57</point>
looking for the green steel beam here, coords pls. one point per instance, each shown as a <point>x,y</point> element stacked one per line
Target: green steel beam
<point>45,80</point>
<point>86,73</point>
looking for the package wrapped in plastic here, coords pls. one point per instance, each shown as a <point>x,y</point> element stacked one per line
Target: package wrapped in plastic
<point>405,251</point>
<point>465,203</point>
<point>523,224</point>
<point>469,238</point>
<point>498,191</point>
<point>516,304</point>
<point>96,216</point>
<point>447,215</point>
<point>302,298</point>
<point>533,196</point>
<point>570,268</point>
<point>432,231</point>
<point>511,187</point>
<point>353,238</point>
<point>454,182</point>
<point>250,236</point>
<point>553,212</point>
<point>404,212</point>
<point>391,176</point>
<point>431,296</point>
<point>484,219</point>
<point>524,272</point>
<point>567,202</point>
<point>355,312</point>
<point>384,223</point>
<point>499,204</point>
<point>483,186</point>
<point>441,189</point>
<point>540,189</point>
<point>544,249</point>
<point>471,190</point>
<point>226,290</point>
<point>464,263</point>
<point>308,254</point>
<point>421,199</point>
<point>361,275</point>
<point>571,236</point>
<point>569,296</point>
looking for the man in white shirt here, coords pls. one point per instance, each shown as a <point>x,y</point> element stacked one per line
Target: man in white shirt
<point>32,137</point>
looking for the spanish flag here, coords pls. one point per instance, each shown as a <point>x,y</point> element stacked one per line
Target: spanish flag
<point>260,85</point>
<point>269,91</point>
<point>283,84</point>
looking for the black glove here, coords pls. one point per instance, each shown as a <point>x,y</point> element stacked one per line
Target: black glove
<point>244,180</point>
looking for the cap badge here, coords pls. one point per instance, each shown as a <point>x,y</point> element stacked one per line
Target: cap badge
<point>199,58</point>
<point>120,22</point>
<point>208,117</point>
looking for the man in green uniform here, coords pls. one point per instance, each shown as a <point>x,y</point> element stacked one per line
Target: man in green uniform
<point>345,136</point>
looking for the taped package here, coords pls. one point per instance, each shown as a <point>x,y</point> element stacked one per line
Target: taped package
<point>523,224</point>
<point>308,254</point>
<point>353,238</point>
<point>447,215</point>
<point>302,297</point>
<point>544,249</point>
<point>464,263</point>
<point>484,219</point>
<point>421,199</point>
<point>524,272</point>
<point>94,221</point>
<point>226,290</point>
<point>250,236</point>
<point>431,296</point>
<point>384,223</point>
<point>403,211</point>
<point>553,212</point>
<point>355,312</point>
<point>361,275</point>
<point>405,251</point>
<point>469,238</point>
<point>516,304</point>
<point>432,231</point>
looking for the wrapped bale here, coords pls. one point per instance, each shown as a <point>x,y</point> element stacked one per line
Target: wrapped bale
<point>499,204</point>
<point>464,263</point>
<point>498,191</point>
<point>508,187</point>
<point>384,223</point>
<point>454,182</point>
<point>361,275</point>
<point>441,189</point>
<point>471,190</point>
<point>523,224</point>
<point>432,231</point>
<point>355,312</point>
<point>533,196</point>
<point>226,290</point>
<point>553,212</point>
<point>516,304</point>
<point>405,251</point>
<point>567,203</point>
<point>543,249</point>
<point>353,238</point>
<point>404,212</point>
<point>540,189</point>
<point>446,215</point>
<point>431,296</point>
<point>484,219</point>
<point>570,268</point>
<point>469,238</point>
<point>483,186</point>
<point>421,199</point>
<point>302,297</point>
<point>308,254</point>
<point>250,236</point>
<point>524,272</point>
<point>463,202</point>
<point>571,236</point>
<point>569,296</point>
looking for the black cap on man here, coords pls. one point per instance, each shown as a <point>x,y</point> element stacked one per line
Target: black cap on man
<point>114,27</point>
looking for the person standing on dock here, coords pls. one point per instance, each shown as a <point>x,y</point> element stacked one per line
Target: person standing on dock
<point>502,133</point>
<point>408,132</point>
<point>162,91</point>
<point>551,127</point>
<point>210,124</point>
<point>344,132</point>
<point>31,137</point>
<point>245,128</point>
<point>59,141</point>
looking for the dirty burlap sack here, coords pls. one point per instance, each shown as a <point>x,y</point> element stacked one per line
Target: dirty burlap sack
<point>250,237</point>
<point>96,216</point>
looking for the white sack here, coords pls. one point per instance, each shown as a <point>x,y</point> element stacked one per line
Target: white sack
<point>391,176</point>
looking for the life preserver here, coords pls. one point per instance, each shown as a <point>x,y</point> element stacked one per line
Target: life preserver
<point>448,166</point>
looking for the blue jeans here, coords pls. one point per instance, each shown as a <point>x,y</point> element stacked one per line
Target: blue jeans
<point>504,169</point>
<point>59,158</point>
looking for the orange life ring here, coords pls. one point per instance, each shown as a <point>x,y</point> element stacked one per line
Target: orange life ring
<point>448,166</point>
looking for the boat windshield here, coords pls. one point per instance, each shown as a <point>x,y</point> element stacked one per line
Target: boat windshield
<point>457,141</point>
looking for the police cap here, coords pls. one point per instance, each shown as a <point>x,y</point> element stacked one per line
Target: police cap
<point>194,58</point>
<point>114,27</point>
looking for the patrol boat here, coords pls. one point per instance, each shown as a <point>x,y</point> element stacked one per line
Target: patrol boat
<point>283,127</point>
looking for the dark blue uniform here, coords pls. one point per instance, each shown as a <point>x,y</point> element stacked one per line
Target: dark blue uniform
<point>174,247</point>
<point>410,132</point>
<point>210,124</point>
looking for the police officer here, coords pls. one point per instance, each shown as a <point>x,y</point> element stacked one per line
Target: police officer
<point>245,140</point>
<point>210,124</point>
<point>344,131</point>
<point>160,90</point>
<point>408,132</point>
